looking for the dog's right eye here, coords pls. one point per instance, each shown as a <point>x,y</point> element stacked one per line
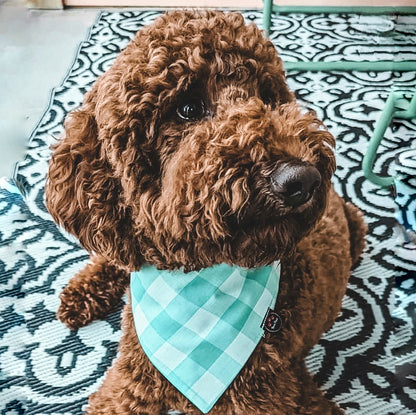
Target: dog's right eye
<point>191,110</point>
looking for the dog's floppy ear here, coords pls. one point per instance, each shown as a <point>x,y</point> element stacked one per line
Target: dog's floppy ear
<point>84,195</point>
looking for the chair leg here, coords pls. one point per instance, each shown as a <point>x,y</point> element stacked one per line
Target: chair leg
<point>267,15</point>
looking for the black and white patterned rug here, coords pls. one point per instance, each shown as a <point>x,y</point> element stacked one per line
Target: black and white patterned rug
<point>366,362</point>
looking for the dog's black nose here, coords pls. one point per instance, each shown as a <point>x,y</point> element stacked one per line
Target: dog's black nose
<point>295,182</point>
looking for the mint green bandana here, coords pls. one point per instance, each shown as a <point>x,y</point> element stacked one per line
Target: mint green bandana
<point>199,328</point>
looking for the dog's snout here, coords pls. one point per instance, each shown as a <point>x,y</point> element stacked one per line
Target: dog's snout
<point>295,183</point>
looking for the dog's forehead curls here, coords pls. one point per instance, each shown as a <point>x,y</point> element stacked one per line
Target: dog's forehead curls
<point>194,151</point>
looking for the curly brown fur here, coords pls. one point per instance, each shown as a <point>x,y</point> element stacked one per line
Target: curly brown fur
<point>137,182</point>
<point>92,293</point>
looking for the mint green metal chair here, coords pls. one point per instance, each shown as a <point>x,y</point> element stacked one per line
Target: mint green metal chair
<point>396,107</point>
<point>404,178</point>
<point>269,8</point>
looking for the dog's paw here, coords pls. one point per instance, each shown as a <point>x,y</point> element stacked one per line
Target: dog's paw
<point>92,293</point>
<point>77,308</point>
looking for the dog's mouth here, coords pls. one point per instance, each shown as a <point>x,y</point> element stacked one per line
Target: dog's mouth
<point>273,222</point>
<point>284,206</point>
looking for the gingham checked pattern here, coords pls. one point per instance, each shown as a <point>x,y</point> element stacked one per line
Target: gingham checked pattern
<point>200,328</point>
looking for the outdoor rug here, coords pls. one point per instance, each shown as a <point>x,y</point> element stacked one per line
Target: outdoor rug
<point>366,362</point>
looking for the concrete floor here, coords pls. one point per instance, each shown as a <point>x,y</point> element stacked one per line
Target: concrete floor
<point>37,48</point>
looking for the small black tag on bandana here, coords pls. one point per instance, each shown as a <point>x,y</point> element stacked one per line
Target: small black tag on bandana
<point>272,321</point>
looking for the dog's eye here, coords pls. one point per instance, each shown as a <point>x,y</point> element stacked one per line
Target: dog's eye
<point>191,110</point>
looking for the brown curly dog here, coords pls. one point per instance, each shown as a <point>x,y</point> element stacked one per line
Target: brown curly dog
<point>191,151</point>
